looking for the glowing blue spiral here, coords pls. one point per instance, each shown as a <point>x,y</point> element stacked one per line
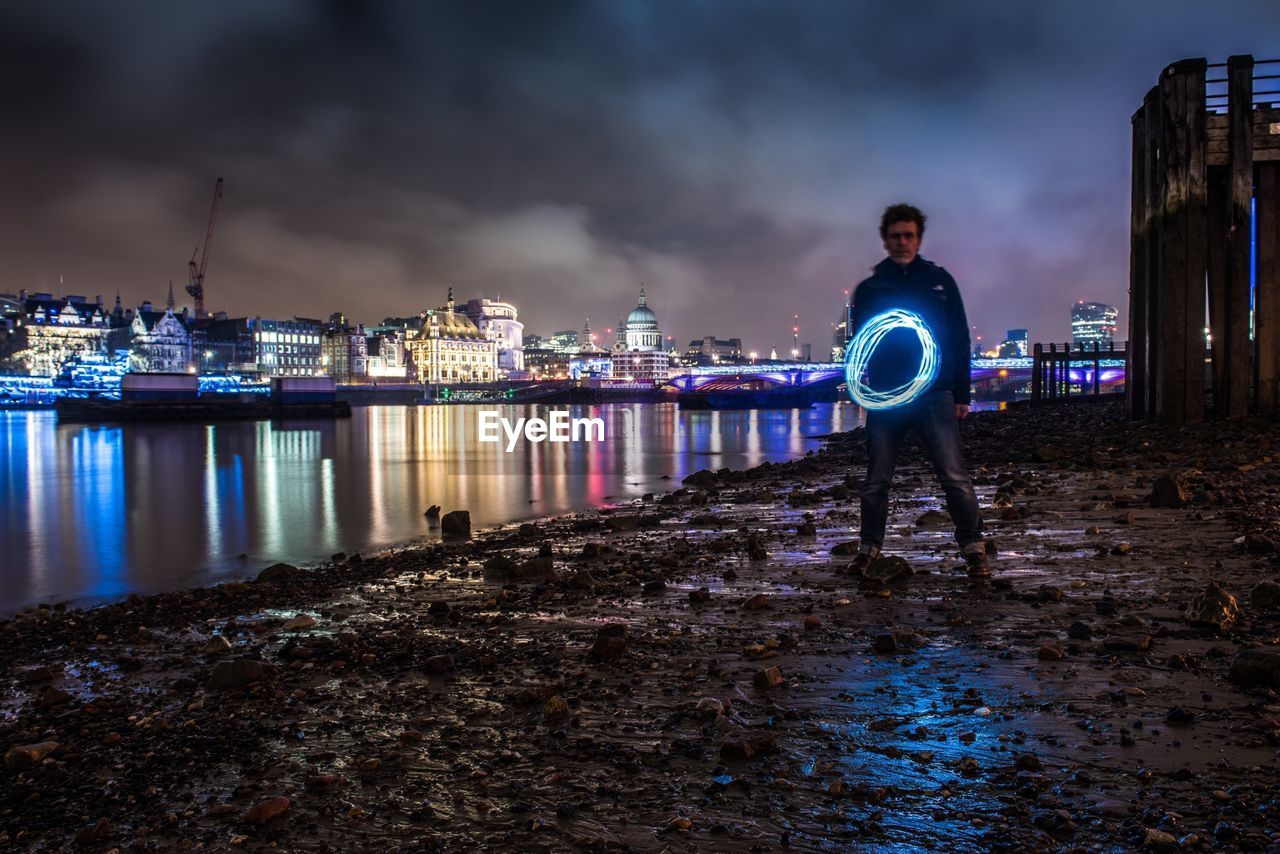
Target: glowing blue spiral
<point>863,346</point>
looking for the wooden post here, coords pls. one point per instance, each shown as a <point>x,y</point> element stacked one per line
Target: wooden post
<point>1037,371</point>
<point>1135,368</point>
<point>1154,185</point>
<point>1053,371</point>
<point>1196,258</point>
<point>1240,168</point>
<point>1182,264</point>
<point>1267,294</point>
<point>1216,269</point>
<point>1097,367</point>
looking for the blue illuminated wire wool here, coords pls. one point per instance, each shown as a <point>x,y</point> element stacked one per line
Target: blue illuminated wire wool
<point>864,345</point>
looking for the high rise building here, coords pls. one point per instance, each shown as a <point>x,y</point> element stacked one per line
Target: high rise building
<point>1020,339</point>
<point>1093,321</point>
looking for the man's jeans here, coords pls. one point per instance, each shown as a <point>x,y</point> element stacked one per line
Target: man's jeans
<point>934,417</point>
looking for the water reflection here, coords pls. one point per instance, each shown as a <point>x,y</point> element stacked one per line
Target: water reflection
<point>89,513</point>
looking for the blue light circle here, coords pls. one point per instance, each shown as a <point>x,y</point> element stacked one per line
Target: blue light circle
<point>864,345</point>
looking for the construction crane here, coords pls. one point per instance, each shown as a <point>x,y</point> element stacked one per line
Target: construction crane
<point>196,287</point>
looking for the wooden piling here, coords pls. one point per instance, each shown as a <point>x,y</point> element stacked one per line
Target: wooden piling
<point>1240,170</point>
<point>1135,366</point>
<point>1267,293</point>
<point>1217,238</point>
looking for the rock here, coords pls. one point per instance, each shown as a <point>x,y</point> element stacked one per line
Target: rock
<point>28,755</point>
<point>850,547</point>
<point>236,673</point>
<point>1170,490</point>
<point>299,623</point>
<point>267,810</point>
<point>769,677</point>
<point>278,572</point>
<point>1028,762</point>
<point>597,550</point>
<point>1050,652</point>
<point>216,645</point>
<point>556,708</point>
<point>37,675</point>
<point>703,479</point>
<point>1214,608</point>
<point>1159,839</point>
<point>678,824</point>
<point>1265,595</point>
<point>885,643</point>
<point>932,518</point>
<point>438,608</point>
<point>887,569</point>
<point>537,567</point>
<point>94,834</point>
<point>709,707</point>
<point>1127,643</point>
<point>1080,631</point>
<point>322,781</point>
<point>812,621</point>
<point>1046,454</point>
<point>1121,549</point>
<point>741,746</point>
<point>702,594</point>
<point>438,664</point>
<point>755,602</point>
<point>611,642</point>
<point>433,512</point>
<point>1126,518</point>
<point>1255,668</point>
<point>654,586</point>
<point>1181,716</point>
<point>500,568</point>
<point>456,524</point>
<point>51,697</point>
<point>1255,543</point>
<point>755,548</point>
<point>807,529</point>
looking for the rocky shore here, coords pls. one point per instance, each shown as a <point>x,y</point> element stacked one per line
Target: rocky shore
<point>697,671</point>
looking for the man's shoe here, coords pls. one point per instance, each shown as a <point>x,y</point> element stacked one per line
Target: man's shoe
<point>862,561</point>
<point>976,560</point>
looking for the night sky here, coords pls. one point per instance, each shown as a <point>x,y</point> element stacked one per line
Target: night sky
<point>734,156</point>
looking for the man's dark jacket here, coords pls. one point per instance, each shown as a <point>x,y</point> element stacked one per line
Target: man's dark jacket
<point>928,290</point>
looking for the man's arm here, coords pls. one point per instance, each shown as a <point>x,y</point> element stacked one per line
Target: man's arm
<point>958,340</point>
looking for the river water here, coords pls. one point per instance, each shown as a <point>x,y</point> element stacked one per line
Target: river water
<point>91,513</point>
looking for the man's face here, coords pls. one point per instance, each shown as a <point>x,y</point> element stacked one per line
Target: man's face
<point>902,242</point>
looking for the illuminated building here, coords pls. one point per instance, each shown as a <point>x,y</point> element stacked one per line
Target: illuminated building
<point>159,341</point>
<point>450,348</point>
<point>50,332</point>
<point>344,350</point>
<point>508,332</point>
<point>286,348</point>
<point>640,331</point>
<point>1093,322</point>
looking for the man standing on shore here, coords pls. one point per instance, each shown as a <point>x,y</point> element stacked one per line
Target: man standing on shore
<point>905,280</point>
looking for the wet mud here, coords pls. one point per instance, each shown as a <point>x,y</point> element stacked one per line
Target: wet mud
<point>699,672</point>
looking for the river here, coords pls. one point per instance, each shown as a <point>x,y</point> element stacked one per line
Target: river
<point>93,513</point>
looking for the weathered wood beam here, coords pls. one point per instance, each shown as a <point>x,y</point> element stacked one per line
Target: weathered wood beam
<point>1135,366</point>
<point>1219,198</point>
<point>1267,294</point>
<point>1240,166</point>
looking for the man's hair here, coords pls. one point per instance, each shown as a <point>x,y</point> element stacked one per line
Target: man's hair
<point>901,213</point>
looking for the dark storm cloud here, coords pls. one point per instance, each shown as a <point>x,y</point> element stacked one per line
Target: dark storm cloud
<point>731,155</point>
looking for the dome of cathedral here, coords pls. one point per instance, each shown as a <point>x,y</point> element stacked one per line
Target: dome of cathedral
<point>641,315</point>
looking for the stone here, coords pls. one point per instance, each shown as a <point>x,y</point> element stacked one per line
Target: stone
<point>51,697</point>
<point>702,594</point>
<point>755,548</point>
<point>438,608</point>
<point>755,602</point>
<point>299,623</point>
<point>556,708</point>
<point>235,673</point>
<point>885,643</point>
<point>702,479</point>
<point>709,707</point>
<point>887,569</point>
<point>456,524</point>
<point>1127,643</point>
<point>932,518</point>
<point>849,547</point>
<point>741,746</point>
<point>267,810</point>
<point>611,642</point>
<point>1214,608</point>
<point>433,512</point>
<point>438,664</point>
<point>812,621</point>
<point>500,568</point>
<point>278,572</point>
<point>1079,631</point>
<point>1254,668</point>
<point>1256,543</point>
<point>1265,595</point>
<point>1050,652</point>
<point>1170,490</point>
<point>1159,839</point>
<point>26,756</point>
<point>769,677</point>
<point>216,645</point>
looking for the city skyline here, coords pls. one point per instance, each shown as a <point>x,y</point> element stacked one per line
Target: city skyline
<point>733,158</point>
